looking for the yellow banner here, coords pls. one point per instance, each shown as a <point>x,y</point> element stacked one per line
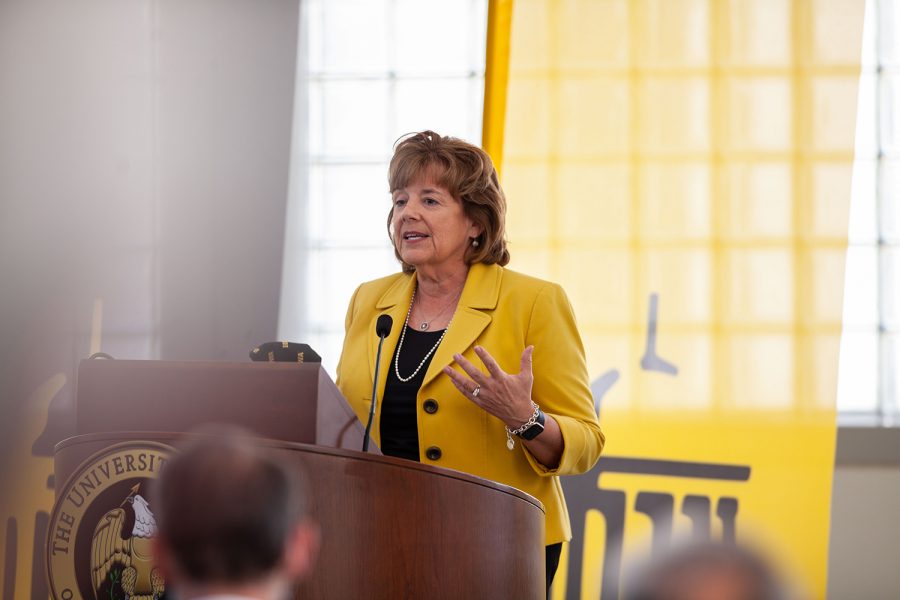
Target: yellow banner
<point>28,497</point>
<point>683,169</point>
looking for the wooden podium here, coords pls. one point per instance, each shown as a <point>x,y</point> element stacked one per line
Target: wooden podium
<point>391,528</point>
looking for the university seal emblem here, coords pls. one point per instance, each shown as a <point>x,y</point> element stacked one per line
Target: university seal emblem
<point>99,539</point>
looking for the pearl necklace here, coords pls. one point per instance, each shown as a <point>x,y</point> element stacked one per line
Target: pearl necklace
<point>400,345</point>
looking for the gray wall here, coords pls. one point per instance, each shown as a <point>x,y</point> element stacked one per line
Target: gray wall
<point>225,97</point>
<point>144,163</point>
<point>864,553</point>
<point>144,158</point>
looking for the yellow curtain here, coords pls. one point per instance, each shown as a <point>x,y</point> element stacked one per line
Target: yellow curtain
<point>682,168</point>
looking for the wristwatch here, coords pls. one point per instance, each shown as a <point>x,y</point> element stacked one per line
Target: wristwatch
<point>536,428</point>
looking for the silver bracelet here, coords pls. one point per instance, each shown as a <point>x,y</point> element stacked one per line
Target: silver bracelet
<point>510,443</point>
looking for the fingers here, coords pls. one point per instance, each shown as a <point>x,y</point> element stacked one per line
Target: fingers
<point>466,385</point>
<point>504,396</point>
<point>460,381</point>
<point>497,380</point>
<point>525,361</point>
<point>489,362</point>
<point>470,369</point>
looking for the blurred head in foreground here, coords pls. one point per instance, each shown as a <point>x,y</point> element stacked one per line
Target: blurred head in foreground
<point>706,571</point>
<point>231,519</point>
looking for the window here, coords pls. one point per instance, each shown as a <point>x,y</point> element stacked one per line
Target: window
<point>371,71</point>
<point>870,346</point>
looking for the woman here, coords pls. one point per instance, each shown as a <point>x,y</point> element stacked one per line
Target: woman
<point>487,374</point>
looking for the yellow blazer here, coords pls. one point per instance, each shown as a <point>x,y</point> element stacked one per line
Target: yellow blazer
<point>504,312</point>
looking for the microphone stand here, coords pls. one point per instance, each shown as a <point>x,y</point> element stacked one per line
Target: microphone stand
<point>365,447</point>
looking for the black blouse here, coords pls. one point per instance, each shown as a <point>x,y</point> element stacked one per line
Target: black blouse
<point>399,428</point>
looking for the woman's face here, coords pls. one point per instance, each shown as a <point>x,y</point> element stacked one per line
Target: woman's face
<point>430,228</point>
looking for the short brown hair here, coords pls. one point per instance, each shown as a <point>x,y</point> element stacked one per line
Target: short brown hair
<point>685,568</point>
<point>468,173</point>
<point>225,507</point>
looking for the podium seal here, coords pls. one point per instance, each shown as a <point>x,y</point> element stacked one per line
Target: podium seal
<point>99,538</point>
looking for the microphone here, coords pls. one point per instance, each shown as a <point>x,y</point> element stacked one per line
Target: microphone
<point>383,326</point>
<point>382,330</point>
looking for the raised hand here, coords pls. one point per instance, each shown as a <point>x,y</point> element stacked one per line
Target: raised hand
<point>504,395</point>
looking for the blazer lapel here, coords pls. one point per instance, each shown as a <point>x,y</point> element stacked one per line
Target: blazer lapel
<point>394,302</point>
<point>472,316</point>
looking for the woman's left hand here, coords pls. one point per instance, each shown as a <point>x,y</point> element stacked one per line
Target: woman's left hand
<point>504,395</point>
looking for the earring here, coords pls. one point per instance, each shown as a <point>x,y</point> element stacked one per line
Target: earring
<point>474,243</point>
